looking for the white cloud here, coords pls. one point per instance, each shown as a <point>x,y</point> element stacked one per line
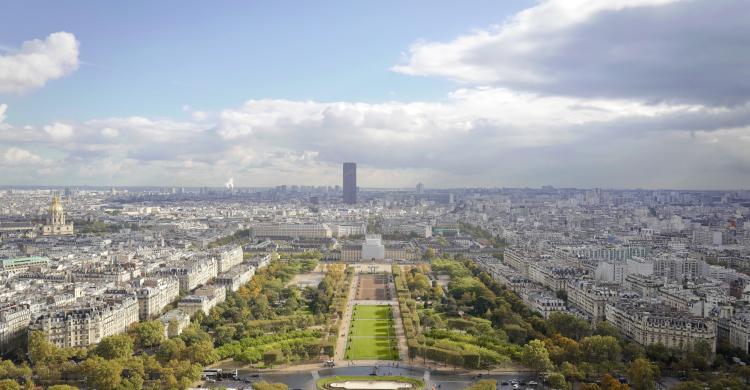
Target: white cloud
<point>37,62</point>
<point>651,50</point>
<point>3,109</point>
<point>20,157</point>
<point>59,131</point>
<point>109,132</point>
<point>475,136</point>
<point>573,95</point>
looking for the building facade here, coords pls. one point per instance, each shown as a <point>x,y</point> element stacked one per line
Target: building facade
<point>350,183</point>
<point>155,295</point>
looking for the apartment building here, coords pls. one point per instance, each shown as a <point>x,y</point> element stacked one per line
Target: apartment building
<point>203,299</point>
<point>227,257</point>
<point>174,321</point>
<point>236,277</point>
<point>648,323</point>
<point>14,321</point>
<point>590,298</point>
<point>155,295</point>
<point>88,323</point>
<point>191,273</point>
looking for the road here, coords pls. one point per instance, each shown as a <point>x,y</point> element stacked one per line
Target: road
<point>306,379</point>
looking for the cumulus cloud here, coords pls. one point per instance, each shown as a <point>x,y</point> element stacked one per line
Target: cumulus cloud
<point>567,93</point>
<point>20,157</point>
<point>59,131</point>
<point>109,132</point>
<point>474,136</point>
<point>38,61</point>
<point>650,50</point>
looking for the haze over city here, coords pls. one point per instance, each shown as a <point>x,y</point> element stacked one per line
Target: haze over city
<point>613,94</point>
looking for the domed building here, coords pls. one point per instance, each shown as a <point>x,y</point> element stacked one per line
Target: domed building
<point>56,225</point>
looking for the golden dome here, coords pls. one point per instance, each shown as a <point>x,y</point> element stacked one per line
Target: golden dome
<point>56,206</point>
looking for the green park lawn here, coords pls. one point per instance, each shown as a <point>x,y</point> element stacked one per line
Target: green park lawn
<point>372,334</point>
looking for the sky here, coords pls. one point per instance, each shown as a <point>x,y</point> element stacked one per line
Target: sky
<point>570,93</point>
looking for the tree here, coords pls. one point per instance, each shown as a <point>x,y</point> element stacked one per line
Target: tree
<point>62,387</point>
<point>170,349</point>
<point>202,352</point>
<point>272,357</point>
<point>149,333</point>
<point>9,384</point>
<point>642,374</point>
<point>571,372</point>
<point>563,349</point>
<point>557,381</point>
<point>631,351</point>
<point>569,325</point>
<point>603,351</point>
<point>610,383</point>
<point>40,349</point>
<point>535,356</point>
<point>102,374</point>
<point>604,328</point>
<point>700,354</point>
<point>691,385</point>
<point>485,384</point>
<point>115,346</point>
<point>263,385</point>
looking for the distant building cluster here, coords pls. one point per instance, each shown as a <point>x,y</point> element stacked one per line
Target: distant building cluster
<point>665,267</point>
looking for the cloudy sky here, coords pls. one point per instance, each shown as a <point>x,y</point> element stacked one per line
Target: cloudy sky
<point>585,93</point>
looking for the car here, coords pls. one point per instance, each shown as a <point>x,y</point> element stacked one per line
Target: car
<point>209,380</point>
<point>516,386</point>
<point>522,383</point>
<point>254,375</point>
<point>504,383</point>
<point>533,383</point>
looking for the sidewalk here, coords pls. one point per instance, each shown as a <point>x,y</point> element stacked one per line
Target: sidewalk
<point>340,352</point>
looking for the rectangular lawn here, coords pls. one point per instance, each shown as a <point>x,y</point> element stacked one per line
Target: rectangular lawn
<point>372,334</point>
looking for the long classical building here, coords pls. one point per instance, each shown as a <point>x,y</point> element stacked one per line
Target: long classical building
<point>648,323</point>
<point>292,230</point>
<point>236,277</point>
<point>20,263</point>
<point>88,324</point>
<point>227,257</point>
<point>13,323</point>
<point>155,295</point>
<point>373,248</point>
<point>591,298</point>
<point>193,274</point>
<point>203,299</point>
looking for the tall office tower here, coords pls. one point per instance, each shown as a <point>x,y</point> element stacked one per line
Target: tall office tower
<point>420,188</point>
<point>350,183</point>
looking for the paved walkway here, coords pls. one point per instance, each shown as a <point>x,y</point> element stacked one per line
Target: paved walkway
<point>340,352</point>
<point>403,349</point>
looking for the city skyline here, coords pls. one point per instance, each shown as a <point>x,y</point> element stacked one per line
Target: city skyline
<point>461,96</point>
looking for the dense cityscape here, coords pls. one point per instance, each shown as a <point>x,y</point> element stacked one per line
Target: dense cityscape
<point>171,287</point>
<point>375,195</point>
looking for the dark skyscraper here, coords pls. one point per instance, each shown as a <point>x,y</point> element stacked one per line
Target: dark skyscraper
<point>350,183</point>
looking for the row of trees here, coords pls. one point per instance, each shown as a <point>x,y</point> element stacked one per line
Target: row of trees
<point>575,351</point>
<point>141,358</point>
<point>270,321</point>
